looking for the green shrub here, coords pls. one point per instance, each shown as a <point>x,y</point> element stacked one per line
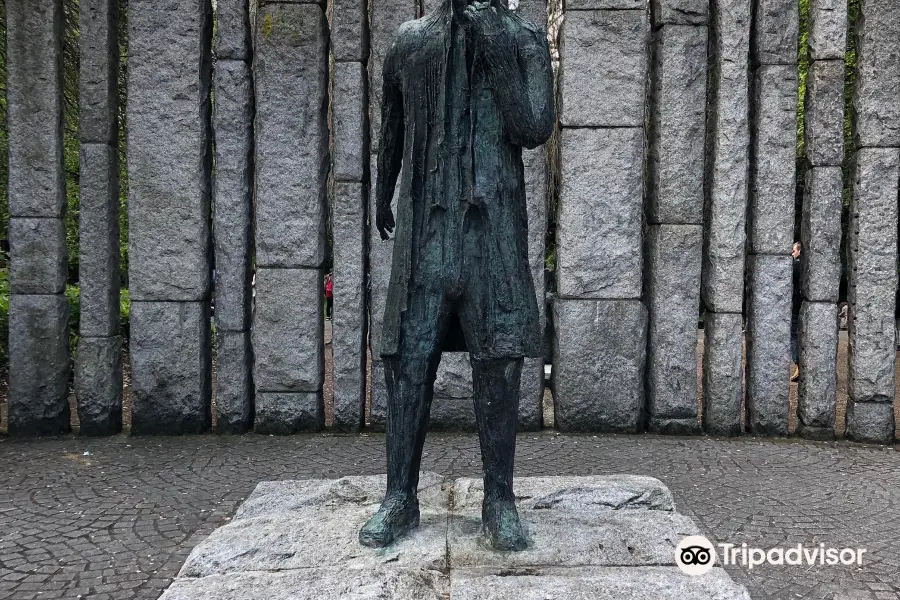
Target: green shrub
<point>4,315</point>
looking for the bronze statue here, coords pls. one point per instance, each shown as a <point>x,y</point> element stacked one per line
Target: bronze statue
<point>465,88</point>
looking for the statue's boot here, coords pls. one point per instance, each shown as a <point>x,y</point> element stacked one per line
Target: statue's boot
<point>410,383</point>
<point>496,387</point>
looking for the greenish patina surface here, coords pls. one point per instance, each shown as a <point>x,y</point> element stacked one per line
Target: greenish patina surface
<point>465,89</point>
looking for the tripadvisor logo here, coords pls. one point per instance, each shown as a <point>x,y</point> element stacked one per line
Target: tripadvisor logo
<point>696,555</point>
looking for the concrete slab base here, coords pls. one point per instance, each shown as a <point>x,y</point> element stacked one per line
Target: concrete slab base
<point>610,537</point>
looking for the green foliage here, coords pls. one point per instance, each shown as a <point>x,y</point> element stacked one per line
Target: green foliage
<point>4,315</point>
<point>73,295</point>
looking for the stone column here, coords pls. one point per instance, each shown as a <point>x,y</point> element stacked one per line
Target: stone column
<point>385,18</point>
<point>724,213</point>
<point>674,245</point>
<point>98,368</point>
<point>169,168</point>
<point>773,147</point>
<point>873,223</point>
<point>350,167</point>
<point>290,69</point>
<point>38,310</point>
<point>820,229</point>
<point>600,321</point>
<point>232,218</point>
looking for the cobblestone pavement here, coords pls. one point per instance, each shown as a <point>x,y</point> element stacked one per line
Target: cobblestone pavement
<point>116,517</point>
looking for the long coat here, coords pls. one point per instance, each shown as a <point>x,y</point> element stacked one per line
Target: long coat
<point>508,106</point>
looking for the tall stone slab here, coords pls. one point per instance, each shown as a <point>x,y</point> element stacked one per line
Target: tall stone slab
<point>98,368</point>
<point>232,226</point>
<point>349,121</point>
<point>349,320</point>
<point>727,158</point>
<point>603,73</point>
<point>171,365</point>
<point>598,364</point>
<point>768,342</point>
<point>827,29</point>
<point>38,311</point>
<point>820,234</point>
<point>233,30</point>
<point>679,12</point>
<point>817,389</point>
<point>677,124</point>
<point>288,346</point>
<point>823,129</point>
<point>772,164</point>
<point>169,201</point>
<point>871,294</point>
<point>290,71</point>
<point>38,364</point>
<point>169,150</point>
<point>600,213</point>
<point>722,373</point>
<point>350,30</point>
<point>673,300</point>
<point>776,26</point>
<point>876,93</point>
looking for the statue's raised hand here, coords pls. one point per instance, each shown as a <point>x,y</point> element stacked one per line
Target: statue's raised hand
<point>384,221</point>
<point>485,23</point>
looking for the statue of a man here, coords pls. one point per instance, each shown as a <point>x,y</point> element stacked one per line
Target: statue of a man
<point>465,89</point>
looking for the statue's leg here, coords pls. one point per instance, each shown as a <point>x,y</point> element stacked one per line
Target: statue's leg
<point>496,387</point>
<point>410,376</point>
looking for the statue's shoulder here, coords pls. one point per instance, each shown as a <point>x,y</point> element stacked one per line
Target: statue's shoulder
<point>518,21</point>
<point>408,37</point>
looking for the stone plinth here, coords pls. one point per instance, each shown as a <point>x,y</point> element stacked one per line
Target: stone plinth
<point>589,537</point>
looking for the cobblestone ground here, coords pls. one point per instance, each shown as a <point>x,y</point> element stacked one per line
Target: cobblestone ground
<point>116,517</point>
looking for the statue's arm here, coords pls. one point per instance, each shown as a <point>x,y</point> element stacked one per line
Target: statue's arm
<point>518,63</point>
<point>390,142</point>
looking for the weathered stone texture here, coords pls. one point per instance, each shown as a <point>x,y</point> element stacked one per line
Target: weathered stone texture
<point>99,71</point>
<point>873,274</point>
<point>233,29</point>
<point>817,389</point>
<point>284,413</point>
<point>453,404</point>
<point>600,213</point>
<point>288,338</point>
<point>773,160</point>
<point>677,125</point>
<point>38,253</point>
<point>768,343</point>
<point>605,5</point>
<point>349,121</point>
<point>350,30</point>
<point>99,245</point>
<point>679,12</point>
<point>290,71</point>
<point>169,153</point>
<point>876,93</point>
<point>385,19</point>
<point>871,422</point>
<point>827,29</point>
<point>599,357</point>
<point>98,385</point>
<point>38,364</point>
<point>820,234</point>
<point>777,24</point>
<point>824,124</point>
<point>727,145</point>
<point>380,253</point>
<point>170,367</point>
<point>34,104</point>
<point>673,255</point>
<point>234,384</point>
<point>350,321</point>
<point>603,70</point>
<point>535,11</point>
<point>722,373</point>
<point>233,193</point>
<point>531,389</point>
